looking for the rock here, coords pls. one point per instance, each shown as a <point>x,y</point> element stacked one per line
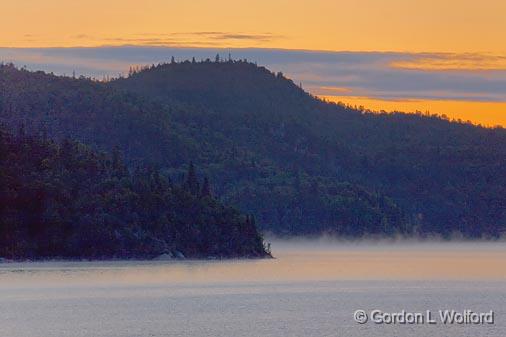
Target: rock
<point>179,255</point>
<point>164,257</point>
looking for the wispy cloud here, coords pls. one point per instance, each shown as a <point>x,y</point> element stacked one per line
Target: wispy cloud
<point>449,61</point>
<point>182,39</point>
<point>231,36</point>
<point>329,90</point>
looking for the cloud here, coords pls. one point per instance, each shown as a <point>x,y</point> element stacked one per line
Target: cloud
<point>329,90</point>
<point>379,75</point>
<point>81,36</point>
<point>449,61</point>
<point>231,36</point>
<point>181,39</point>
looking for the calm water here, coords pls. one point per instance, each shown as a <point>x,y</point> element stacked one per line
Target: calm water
<point>311,289</point>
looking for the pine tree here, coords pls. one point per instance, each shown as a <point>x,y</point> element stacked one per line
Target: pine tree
<point>250,225</point>
<point>297,182</point>
<point>192,183</point>
<point>206,188</point>
<point>117,166</point>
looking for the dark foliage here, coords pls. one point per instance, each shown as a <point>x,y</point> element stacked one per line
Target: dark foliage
<point>67,201</point>
<point>300,164</point>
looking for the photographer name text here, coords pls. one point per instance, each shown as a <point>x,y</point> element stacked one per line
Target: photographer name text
<point>446,316</point>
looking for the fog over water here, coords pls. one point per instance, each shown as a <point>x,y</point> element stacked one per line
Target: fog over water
<point>311,288</point>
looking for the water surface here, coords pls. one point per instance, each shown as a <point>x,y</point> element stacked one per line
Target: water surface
<point>310,289</point>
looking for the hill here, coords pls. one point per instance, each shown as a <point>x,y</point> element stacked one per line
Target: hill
<point>67,201</point>
<point>299,164</point>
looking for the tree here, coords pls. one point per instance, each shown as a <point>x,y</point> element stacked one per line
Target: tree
<point>206,189</point>
<point>117,166</point>
<point>192,183</point>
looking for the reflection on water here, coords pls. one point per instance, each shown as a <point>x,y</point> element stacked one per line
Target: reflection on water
<point>310,289</point>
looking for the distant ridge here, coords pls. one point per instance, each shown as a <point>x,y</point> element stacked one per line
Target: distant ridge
<point>302,166</point>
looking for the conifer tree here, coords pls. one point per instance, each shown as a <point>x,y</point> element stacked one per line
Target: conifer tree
<point>206,189</point>
<point>192,183</point>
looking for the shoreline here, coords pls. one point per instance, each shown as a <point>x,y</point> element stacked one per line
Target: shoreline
<point>4,261</point>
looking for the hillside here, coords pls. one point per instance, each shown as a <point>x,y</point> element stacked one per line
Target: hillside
<point>67,201</point>
<point>299,164</point>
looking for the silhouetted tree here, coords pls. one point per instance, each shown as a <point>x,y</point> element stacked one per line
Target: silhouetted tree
<point>206,189</point>
<point>192,183</point>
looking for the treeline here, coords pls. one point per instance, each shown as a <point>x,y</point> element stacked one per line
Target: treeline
<point>64,200</point>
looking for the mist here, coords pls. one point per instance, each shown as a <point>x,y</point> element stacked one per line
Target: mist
<point>296,260</point>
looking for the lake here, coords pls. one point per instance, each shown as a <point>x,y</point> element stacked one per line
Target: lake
<point>312,288</point>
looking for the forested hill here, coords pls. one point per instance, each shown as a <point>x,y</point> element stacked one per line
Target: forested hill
<point>67,201</point>
<point>299,164</point>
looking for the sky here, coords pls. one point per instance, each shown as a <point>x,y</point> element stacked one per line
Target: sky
<point>448,57</point>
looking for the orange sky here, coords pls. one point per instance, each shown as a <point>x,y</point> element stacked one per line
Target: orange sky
<point>386,25</point>
<point>456,26</point>
<point>485,113</point>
